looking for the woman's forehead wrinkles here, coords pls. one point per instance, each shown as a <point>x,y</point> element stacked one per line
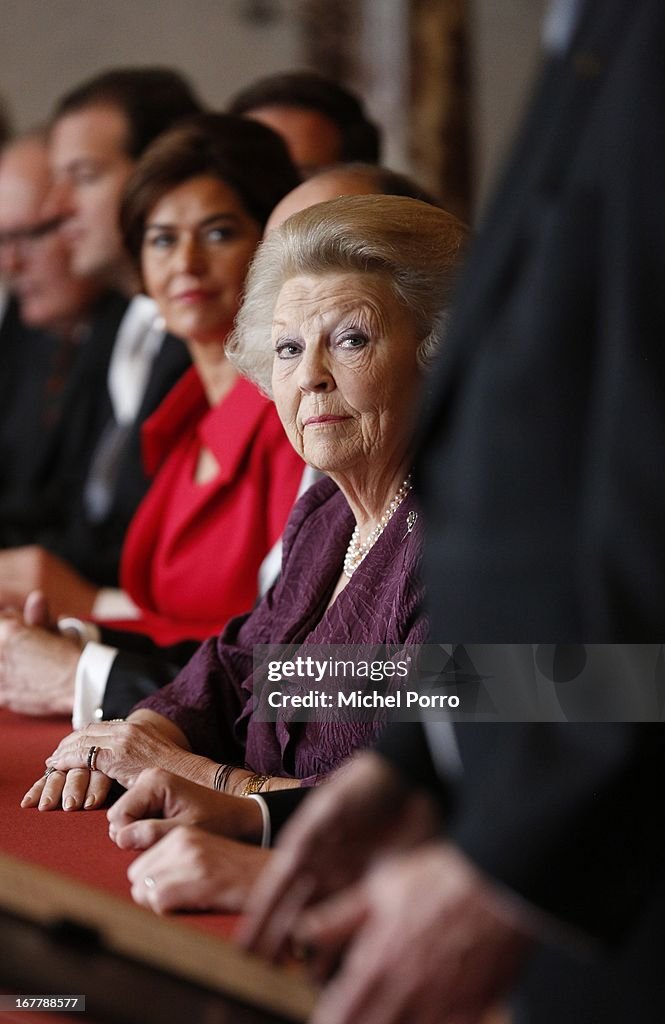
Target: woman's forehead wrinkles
<point>311,317</point>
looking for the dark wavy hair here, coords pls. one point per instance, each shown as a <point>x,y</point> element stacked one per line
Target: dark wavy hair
<point>361,139</point>
<point>152,99</point>
<point>248,157</point>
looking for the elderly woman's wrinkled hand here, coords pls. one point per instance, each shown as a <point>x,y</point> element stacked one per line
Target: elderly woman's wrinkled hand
<point>192,870</point>
<point>120,750</point>
<point>159,802</point>
<point>114,750</point>
<point>75,790</point>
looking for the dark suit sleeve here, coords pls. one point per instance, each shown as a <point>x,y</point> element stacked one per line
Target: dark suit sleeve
<point>139,669</point>
<point>404,744</point>
<point>281,804</point>
<point>566,815</point>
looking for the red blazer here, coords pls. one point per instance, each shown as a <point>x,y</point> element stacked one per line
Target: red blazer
<point>192,553</point>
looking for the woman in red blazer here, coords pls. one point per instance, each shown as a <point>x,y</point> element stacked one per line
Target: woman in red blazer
<point>225,475</point>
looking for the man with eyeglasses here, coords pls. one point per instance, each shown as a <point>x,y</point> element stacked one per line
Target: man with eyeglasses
<point>34,259</point>
<point>45,311</point>
<point>95,478</point>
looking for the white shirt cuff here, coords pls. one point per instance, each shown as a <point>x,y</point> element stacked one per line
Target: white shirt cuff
<point>114,604</point>
<point>270,567</point>
<point>272,563</point>
<point>92,673</point>
<point>266,836</point>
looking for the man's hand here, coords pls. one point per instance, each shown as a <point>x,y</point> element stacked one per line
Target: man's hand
<point>193,870</point>
<point>364,810</point>
<point>426,939</point>
<point>37,668</point>
<point>159,802</point>
<point>23,570</point>
<point>36,612</point>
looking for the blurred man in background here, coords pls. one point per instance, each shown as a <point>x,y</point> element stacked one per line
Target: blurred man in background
<point>94,478</point>
<point>44,324</point>
<point>321,122</point>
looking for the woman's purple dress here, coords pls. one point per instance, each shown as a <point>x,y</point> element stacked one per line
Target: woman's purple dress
<point>211,698</point>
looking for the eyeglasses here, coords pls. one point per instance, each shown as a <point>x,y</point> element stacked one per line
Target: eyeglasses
<point>24,238</point>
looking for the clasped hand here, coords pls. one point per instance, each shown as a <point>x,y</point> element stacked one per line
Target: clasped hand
<point>23,570</point>
<point>188,868</point>
<point>37,664</point>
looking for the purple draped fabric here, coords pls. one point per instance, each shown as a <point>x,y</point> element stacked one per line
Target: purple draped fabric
<point>210,700</point>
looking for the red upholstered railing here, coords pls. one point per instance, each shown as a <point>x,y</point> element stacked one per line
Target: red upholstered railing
<point>73,843</point>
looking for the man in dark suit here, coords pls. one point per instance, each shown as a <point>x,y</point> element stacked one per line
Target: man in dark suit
<point>51,385</point>
<point>92,478</point>
<point>322,123</point>
<point>542,485</point>
<point>44,319</point>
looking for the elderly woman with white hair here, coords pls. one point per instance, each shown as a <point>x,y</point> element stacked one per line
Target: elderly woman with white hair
<point>343,310</point>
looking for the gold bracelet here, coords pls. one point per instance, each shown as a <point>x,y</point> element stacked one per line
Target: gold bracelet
<point>255,784</point>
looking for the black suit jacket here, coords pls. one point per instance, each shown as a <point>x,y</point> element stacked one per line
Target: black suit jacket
<point>41,502</point>
<point>542,453</point>
<point>25,434</point>
<point>94,547</point>
<point>139,669</point>
<point>50,508</point>
<point>542,483</point>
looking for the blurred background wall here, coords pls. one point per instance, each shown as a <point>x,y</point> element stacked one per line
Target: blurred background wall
<point>445,78</point>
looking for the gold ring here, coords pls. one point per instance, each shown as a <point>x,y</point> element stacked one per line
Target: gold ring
<point>92,758</point>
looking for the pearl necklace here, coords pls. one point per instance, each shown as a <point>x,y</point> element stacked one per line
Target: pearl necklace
<point>356,551</point>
